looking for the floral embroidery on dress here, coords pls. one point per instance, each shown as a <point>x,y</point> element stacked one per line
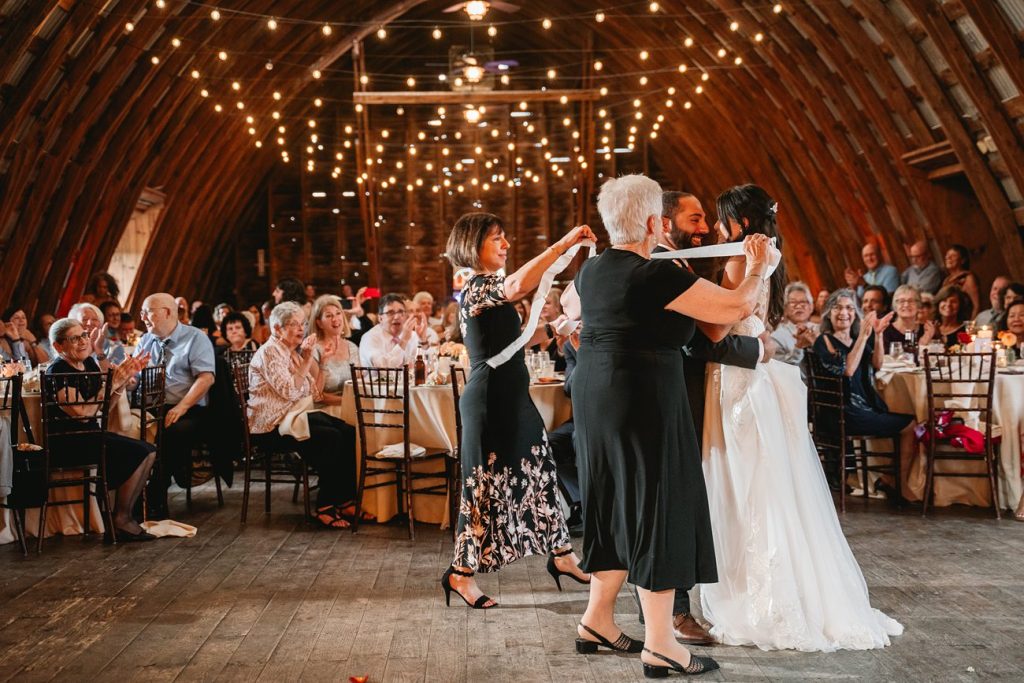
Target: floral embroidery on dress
<point>479,294</point>
<point>510,515</point>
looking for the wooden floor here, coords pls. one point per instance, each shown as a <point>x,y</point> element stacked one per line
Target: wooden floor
<point>278,601</point>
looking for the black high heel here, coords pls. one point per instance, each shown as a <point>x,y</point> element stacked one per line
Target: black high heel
<point>697,665</point>
<point>446,584</point>
<point>622,644</point>
<point>557,573</point>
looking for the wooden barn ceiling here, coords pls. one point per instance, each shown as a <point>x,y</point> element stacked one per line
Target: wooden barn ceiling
<point>900,119</point>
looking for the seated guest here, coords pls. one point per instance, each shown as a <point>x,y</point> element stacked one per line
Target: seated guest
<point>236,332</point>
<point>43,323</point>
<point>92,320</point>
<point>395,340</point>
<point>922,273</point>
<point>877,273</point>
<point>819,306</point>
<point>184,310</point>
<point>1014,321</point>
<point>552,345</point>
<point>282,374</point>
<point>260,330</point>
<point>853,349</point>
<point>19,331</point>
<point>795,332</point>
<point>953,305</point>
<point>190,371</point>
<point>959,275</point>
<point>332,332</point>
<point>126,329</point>
<point>219,311</point>
<point>102,287</point>
<point>423,302</point>
<point>450,323</point>
<point>927,310</point>
<point>907,304</point>
<point>129,461</point>
<point>874,299</point>
<point>991,316</point>
<point>563,448</point>
<point>111,311</point>
<point>202,318</point>
<point>1013,292</point>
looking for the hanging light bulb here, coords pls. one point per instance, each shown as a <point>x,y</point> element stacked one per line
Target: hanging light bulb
<point>473,73</point>
<point>682,68</point>
<point>552,74</point>
<point>175,42</point>
<point>272,24</point>
<point>653,7</point>
<point>734,26</point>
<point>777,8</point>
<point>316,74</point>
<point>492,30</point>
<point>155,60</point>
<point>215,15</point>
<point>688,42</point>
<point>326,29</point>
<point>644,55</point>
<point>472,116</point>
<point>436,33</point>
<point>505,80</point>
<point>477,9</point>
<point>721,52</point>
<point>195,74</point>
<point>411,82</point>
<point>705,76</point>
<point>758,37</point>
<point>598,65</point>
<point>599,17</point>
<point>546,24</point>
<point>382,33</point>
<point>738,61</point>
<point>222,56</point>
<point>129,27</point>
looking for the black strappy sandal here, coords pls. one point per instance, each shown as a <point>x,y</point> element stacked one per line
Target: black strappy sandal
<point>557,573</point>
<point>697,665</point>
<point>446,584</point>
<point>622,644</point>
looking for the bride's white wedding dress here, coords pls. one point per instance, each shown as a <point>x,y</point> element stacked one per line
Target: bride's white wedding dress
<point>787,577</point>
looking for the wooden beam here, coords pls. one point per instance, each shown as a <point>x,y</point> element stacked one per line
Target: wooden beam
<point>426,97</point>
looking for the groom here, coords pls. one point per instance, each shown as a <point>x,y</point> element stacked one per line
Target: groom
<point>684,225</point>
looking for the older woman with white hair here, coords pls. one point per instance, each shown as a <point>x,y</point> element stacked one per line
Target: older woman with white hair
<point>906,304</point>
<point>283,377</point>
<point>795,332</point>
<point>104,347</point>
<point>645,506</point>
<point>128,461</point>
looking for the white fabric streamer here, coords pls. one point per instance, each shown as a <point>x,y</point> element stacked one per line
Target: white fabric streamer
<point>537,304</point>
<point>722,250</point>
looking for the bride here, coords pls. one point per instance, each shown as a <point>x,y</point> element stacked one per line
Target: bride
<point>787,578</point>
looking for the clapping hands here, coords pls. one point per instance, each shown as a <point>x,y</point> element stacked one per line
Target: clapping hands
<point>853,277</point>
<point>126,371</point>
<point>97,336</point>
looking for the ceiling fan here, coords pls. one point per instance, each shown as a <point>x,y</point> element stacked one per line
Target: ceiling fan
<point>477,9</point>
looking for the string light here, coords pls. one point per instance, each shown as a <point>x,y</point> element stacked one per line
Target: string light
<point>492,31</point>
<point>644,55</point>
<point>599,17</point>
<point>195,74</point>
<point>129,27</point>
<point>236,86</point>
<point>643,80</point>
<point>175,42</point>
<point>721,52</point>
<point>734,26</point>
<point>318,102</point>
<point>682,68</point>
<point>382,33</point>
<point>160,4</point>
<point>277,95</point>
<point>222,56</point>
<point>653,7</point>
<point>777,8</point>
<point>436,33</point>
<point>155,60</point>
<point>326,29</point>
<point>671,90</point>
<point>411,82</point>
<point>552,74</point>
<point>272,24</point>
<point>738,61</point>
<point>215,15</point>
<point>546,24</point>
<point>316,74</point>
<point>688,42</point>
<point>598,65</point>
<point>364,79</point>
<point>758,37</point>
<point>204,92</point>
<point>705,76</point>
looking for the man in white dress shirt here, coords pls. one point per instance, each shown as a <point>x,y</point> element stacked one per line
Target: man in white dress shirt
<point>395,340</point>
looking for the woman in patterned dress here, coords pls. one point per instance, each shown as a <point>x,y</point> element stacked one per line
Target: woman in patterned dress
<point>509,507</point>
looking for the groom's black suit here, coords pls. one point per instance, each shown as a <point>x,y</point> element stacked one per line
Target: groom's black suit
<point>744,352</point>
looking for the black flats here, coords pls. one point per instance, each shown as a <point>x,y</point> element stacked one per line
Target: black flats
<point>557,573</point>
<point>697,665</point>
<point>621,644</point>
<point>446,585</point>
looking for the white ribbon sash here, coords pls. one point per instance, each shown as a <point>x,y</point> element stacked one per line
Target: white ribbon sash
<point>719,251</point>
<point>538,302</point>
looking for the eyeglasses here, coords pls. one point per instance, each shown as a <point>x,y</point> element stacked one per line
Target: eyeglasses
<point>151,311</point>
<point>75,339</point>
<point>798,303</point>
<point>904,302</point>
<point>393,313</point>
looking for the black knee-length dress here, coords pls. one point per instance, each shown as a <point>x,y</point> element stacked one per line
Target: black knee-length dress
<point>645,506</point>
<point>509,507</point>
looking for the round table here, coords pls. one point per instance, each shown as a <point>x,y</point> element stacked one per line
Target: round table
<point>432,425</point>
<point>907,392</point>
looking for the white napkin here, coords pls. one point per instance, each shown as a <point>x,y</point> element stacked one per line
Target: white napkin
<point>296,423</point>
<point>397,450</point>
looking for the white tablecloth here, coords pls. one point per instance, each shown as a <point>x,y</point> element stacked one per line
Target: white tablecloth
<point>65,519</point>
<point>432,425</point>
<point>907,392</point>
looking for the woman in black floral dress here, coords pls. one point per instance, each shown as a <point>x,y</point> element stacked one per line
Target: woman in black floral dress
<point>509,506</point>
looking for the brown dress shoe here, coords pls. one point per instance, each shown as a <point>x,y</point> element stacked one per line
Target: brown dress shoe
<point>689,632</point>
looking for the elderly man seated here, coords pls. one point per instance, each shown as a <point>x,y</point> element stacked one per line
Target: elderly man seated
<point>795,333</point>
<point>190,363</point>
<point>877,273</point>
<point>996,295</point>
<point>129,461</point>
<point>285,375</point>
<point>922,273</point>
<point>396,339</point>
